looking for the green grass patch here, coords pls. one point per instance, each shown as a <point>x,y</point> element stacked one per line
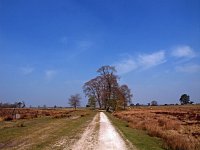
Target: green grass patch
<point>138,138</point>
<point>69,128</point>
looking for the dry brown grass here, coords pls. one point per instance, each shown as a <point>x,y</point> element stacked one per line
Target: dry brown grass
<point>179,126</point>
<point>6,114</point>
<point>1,119</point>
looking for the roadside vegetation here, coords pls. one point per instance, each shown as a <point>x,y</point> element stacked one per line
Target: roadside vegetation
<point>178,126</point>
<point>138,138</point>
<point>43,132</point>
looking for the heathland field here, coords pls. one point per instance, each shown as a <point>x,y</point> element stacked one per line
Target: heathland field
<point>178,126</point>
<point>137,128</point>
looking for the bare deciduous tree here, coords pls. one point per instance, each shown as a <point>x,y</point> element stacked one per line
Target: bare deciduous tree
<point>74,100</point>
<point>110,84</point>
<point>93,88</point>
<point>126,95</point>
<point>92,102</point>
<point>106,90</point>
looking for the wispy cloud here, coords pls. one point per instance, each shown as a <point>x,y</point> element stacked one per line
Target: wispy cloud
<point>150,60</point>
<point>27,70</point>
<point>183,52</point>
<point>50,74</point>
<point>185,55</point>
<point>188,68</point>
<point>126,65</point>
<point>144,61</point>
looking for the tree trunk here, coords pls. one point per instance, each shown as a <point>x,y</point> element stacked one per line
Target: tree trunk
<point>107,109</point>
<point>99,103</point>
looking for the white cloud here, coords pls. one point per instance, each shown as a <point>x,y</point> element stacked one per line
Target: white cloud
<point>144,61</point>
<point>183,51</point>
<point>126,66</point>
<point>50,74</point>
<point>27,70</point>
<point>150,60</point>
<point>188,68</point>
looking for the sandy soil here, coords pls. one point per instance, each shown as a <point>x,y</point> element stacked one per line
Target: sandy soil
<point>109,138</point>
<point>100,135</point>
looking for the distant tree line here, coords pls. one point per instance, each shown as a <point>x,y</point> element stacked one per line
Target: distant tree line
<point>105,91</point>
<point>13,105</point>
<point>184,100</point>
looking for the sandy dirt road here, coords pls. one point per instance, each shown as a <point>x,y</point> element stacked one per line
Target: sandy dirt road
<point>100,135</point>
<point>109,138</point>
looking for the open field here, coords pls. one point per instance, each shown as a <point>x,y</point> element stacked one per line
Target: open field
<point>46,131</point>
<point>178,126</point>
<point>158,128</point>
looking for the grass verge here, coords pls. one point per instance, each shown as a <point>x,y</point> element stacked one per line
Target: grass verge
<point>138,138</point>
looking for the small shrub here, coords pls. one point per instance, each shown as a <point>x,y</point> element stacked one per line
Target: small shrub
<point>154,131</point>
<point>47,114</point>
<point>161,122</point>
<point>172,125</point>
<point>127,125</point>
<point>8,118</point>
<point>21,125</point>
<point>178,142</point>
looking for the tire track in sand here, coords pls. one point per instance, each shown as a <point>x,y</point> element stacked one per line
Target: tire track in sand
<point>89,138</point>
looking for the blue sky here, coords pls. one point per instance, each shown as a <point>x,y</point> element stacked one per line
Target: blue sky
<point>49,48</point>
